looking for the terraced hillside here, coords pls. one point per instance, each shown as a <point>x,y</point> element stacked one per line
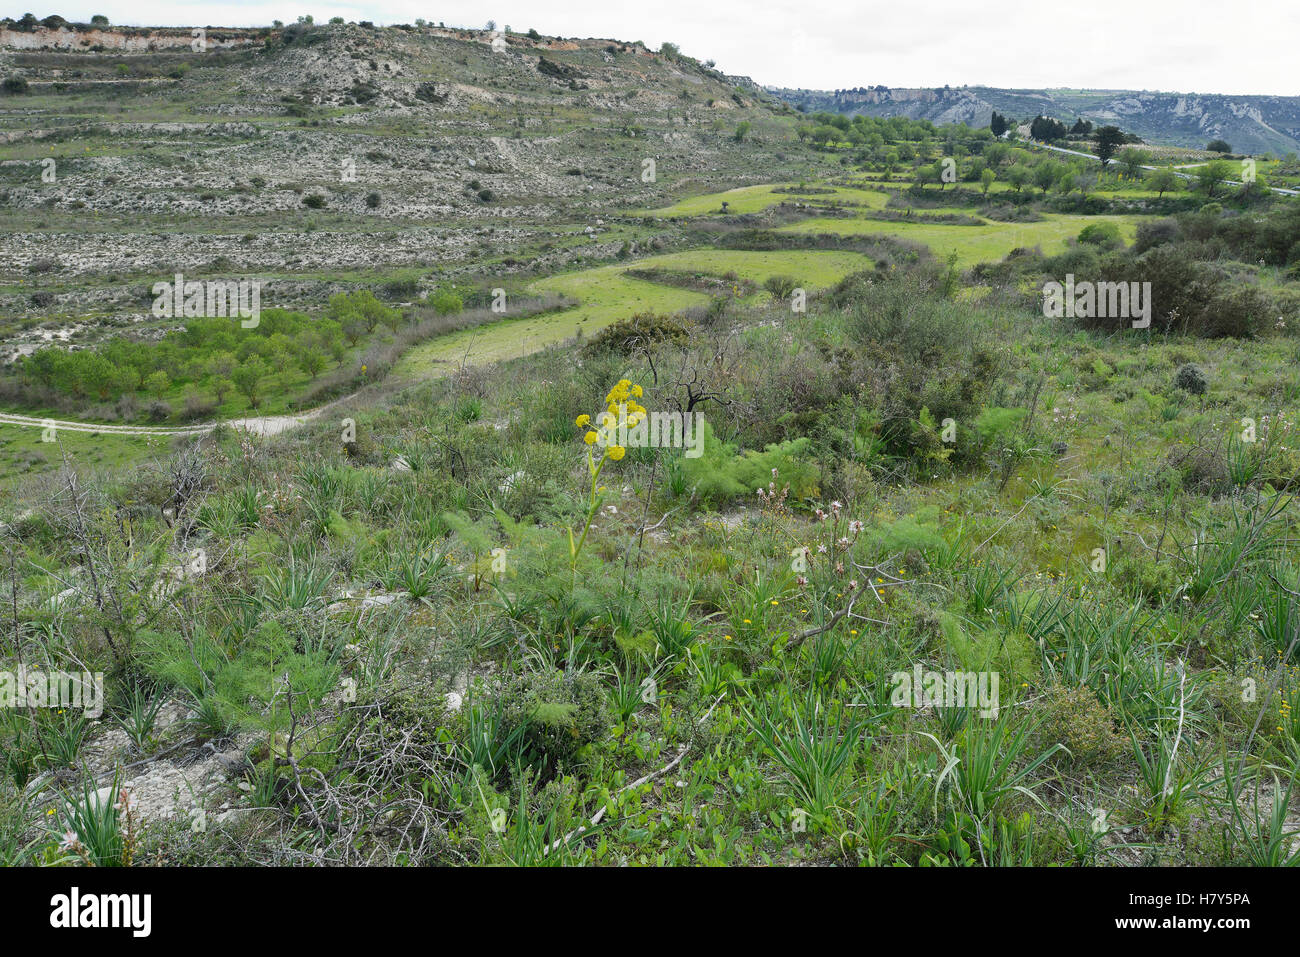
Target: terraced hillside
<point>321,155</point>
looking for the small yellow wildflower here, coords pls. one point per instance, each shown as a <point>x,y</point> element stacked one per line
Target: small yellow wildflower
<point>582,420</point>
<point>616,452</point>
<point>589,438</point>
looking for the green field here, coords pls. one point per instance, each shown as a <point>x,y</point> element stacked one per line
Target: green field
<point>755,199</point>
<point>972,244</point>
<point>23,453</point>
<point>606,295</point>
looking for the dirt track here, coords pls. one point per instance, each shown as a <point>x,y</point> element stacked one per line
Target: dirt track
<point>259,425</point>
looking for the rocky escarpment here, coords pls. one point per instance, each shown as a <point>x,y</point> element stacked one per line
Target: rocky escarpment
<point>126,39</point>
<point>1251,124</point>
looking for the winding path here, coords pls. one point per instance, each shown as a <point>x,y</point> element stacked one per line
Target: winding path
<point>258,425</point>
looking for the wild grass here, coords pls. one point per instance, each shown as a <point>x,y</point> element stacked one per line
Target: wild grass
<point>423,666</point>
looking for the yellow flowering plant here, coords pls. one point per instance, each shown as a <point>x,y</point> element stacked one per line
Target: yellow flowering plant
<point>621,408</point>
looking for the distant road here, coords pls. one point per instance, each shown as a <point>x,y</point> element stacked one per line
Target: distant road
<point>67,426</point>
<point>258,425</point>
<point>1229,182</point>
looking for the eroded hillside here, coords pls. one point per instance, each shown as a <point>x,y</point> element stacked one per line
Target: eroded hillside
<point>330,149</point>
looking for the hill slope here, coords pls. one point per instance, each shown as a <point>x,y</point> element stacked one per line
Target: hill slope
<point>287,153</point>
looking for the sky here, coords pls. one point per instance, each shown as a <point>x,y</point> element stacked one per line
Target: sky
<point>1189,46</point>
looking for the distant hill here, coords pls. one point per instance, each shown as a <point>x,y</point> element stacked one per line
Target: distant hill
<point>1251,124</point>
<point>400,147</point>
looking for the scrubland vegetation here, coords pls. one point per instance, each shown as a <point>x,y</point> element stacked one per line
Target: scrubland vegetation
<point>451,620</point>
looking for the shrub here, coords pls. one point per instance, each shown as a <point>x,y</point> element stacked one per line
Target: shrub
<point>1075,718</point>
<point>413,710</point>
<point>446,301</point>
<point>363,92</point>
<point>636,333</point>
<point>909,536</point>
<point>919,351</point>
<point>1202,471</point>
<point>157,383</point>
<point>303,33</point>
<point>781,287</point>
<point>1157,233</point>
<point>400,288</point>
<point>361,307</point>
<point>556,715</point>
<point>1154,581</point>
<point>1105,235</point>
<point>720,473</point>
<point>1187,295</point>
<point>314,201</point>
<point>1235,310</point>
<point>198,408</point>
<point>1191,379</point>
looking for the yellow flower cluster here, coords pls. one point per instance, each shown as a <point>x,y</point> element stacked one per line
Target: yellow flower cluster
<point>622,392</point>
<point>621,408</point>
<point>621,405</point>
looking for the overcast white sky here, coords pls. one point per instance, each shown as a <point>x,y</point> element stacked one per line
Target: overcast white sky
<point>1202,46</point>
